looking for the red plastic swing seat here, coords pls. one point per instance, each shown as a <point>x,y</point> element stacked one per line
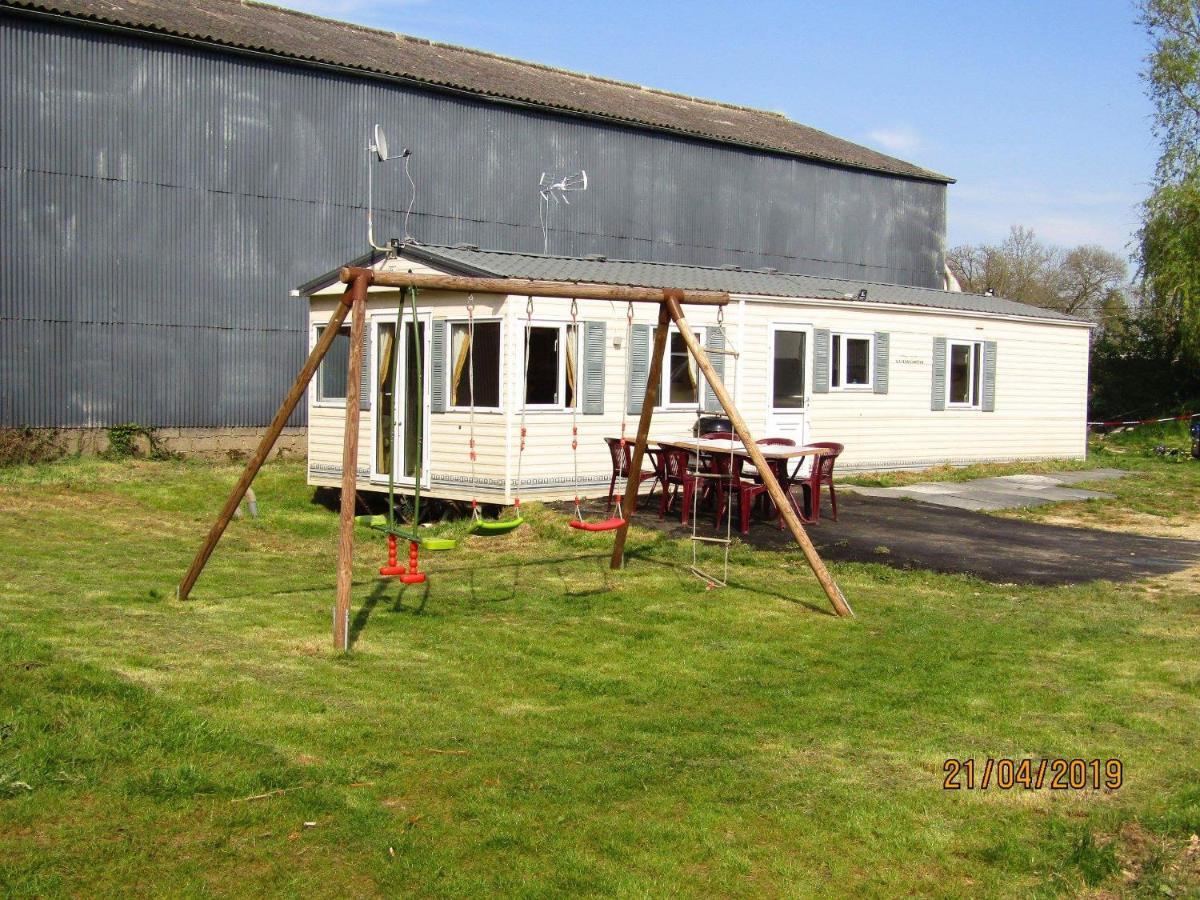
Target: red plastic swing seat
<point>604,525</point>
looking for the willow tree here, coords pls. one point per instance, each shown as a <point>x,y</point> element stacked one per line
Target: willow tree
<point>1170,233</point>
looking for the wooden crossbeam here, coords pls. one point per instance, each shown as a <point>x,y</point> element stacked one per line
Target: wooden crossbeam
<point>569,290</point>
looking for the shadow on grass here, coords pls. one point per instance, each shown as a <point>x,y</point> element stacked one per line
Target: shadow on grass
<point>378,592</point>
<point>419,607</point>
<point>642,556</point>
<point>571,587</point>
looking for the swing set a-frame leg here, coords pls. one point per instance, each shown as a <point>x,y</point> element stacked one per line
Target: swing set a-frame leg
<point>629,501</point>
<point>290,402</point>
<point>774,489</point>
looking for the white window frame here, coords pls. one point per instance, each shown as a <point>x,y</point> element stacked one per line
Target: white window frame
<point>843,336</point>
<point>480,410</point>
<point>318,401</point>
<point>973,385</point>
<point>664,384</point>
<point>562,366</point>
<point>793,328</point>
<point>375,321</point>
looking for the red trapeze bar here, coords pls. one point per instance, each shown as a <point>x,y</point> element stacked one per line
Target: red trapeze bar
<point>408,575</point>
<point>607,525</point>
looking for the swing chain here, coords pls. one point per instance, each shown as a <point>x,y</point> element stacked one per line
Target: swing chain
<point>475,514</point>
<point>575,419</point>
<point>524,403</point>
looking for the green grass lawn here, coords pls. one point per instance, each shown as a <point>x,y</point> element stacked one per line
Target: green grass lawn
<point>533,724</point>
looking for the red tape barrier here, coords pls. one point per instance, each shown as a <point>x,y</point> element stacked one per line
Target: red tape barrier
<point>1185,417</point>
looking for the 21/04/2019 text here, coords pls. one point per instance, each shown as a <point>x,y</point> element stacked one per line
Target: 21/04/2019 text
<point>1033,774</point>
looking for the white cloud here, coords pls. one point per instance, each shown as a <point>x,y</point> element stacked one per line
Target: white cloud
<point>900,139</point>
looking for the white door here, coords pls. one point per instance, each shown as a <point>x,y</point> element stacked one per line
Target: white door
<point>790,382</point>
<point>401,422</point>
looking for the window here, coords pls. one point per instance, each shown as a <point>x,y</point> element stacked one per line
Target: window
<point>965,363</point>
<point>681,378</point>
<point>331,377</point>
<point>550,367</point>
<point>482,364</point>
<point>787,384</point>
<point>850,361</point>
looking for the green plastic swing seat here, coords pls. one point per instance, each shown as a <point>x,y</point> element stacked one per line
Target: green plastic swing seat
<point>497,526</point>
<point>379,523</point>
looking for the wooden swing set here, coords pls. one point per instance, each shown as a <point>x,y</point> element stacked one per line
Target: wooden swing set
<point>353,302</point>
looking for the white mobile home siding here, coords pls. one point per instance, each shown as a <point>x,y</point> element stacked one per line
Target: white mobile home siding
<point>1041,387</point>
<point>1040,395</point>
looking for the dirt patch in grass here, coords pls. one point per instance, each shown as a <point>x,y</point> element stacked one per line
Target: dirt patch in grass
<point>1151,864</point>
<point>1131,523</point>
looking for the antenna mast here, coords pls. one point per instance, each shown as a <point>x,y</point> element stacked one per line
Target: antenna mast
<point>555,190</point>
<point>378,147</point>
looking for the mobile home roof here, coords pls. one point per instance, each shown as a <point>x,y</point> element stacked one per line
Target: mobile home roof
<point>468,260</point>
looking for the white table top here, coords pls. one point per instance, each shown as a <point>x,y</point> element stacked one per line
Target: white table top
<point>769,451</point>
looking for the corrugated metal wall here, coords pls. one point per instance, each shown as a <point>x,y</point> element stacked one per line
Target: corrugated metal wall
<point>157,203</point>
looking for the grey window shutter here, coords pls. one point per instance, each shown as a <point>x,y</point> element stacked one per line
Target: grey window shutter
<point>939,374</point>
<point>882,354</point>
<point>988,402</point>
<point>592,392</point>
<point>437,367</point>
<point>821,361</point>
<point>639,368</point>
<point>364,380</point>
<point>714,339</point>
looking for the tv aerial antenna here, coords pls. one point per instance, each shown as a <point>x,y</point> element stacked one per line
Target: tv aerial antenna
<point>552,191</point>
<point>378,147</point>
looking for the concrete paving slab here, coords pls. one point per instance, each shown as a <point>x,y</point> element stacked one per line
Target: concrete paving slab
<point>1001,491</point>
<point>934,487</point>
<point>1090,475</point>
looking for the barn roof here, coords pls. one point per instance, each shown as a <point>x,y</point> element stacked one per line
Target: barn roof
<point>259,27</point>
<point>468,260</point>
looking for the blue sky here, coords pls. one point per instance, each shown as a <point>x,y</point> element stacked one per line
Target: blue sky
<point>1035,107</point>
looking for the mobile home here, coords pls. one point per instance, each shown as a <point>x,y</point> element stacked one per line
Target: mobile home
<point>904,377</point>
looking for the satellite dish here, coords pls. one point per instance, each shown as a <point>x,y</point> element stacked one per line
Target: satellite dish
<point>381,147</point>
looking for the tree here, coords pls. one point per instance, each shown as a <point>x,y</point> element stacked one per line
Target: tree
<point>1086,281</point>
<point>1169,262</point>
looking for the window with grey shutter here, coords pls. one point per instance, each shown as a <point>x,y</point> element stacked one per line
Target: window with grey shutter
<point>639,368</point>
<point>593,369</point>
<point>989,377</point>
<point>364,381</point>
<point>938,400</point>
<point>821,361</point>
<point>714,340</point>
<point>882,353</point>
<point>437,367</point>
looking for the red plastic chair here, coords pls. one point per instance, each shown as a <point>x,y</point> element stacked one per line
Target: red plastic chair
<point>749,486</point>
<point>676,473</point>
<point>748,491</point>
<point>726,467</point>
<point>720,436</point>
<point>822,473</point>
<point>621,462</point>
<point>778,466</point>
